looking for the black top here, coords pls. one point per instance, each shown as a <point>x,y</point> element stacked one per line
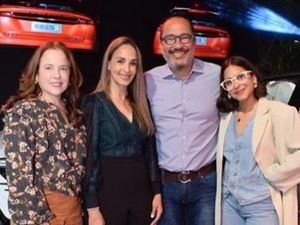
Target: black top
<point>110,133</point>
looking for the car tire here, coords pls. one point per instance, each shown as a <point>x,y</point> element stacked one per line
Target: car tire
<point>3,219</point>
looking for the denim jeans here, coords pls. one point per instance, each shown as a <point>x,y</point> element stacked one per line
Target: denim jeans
<point>262,212</point>
<point>192,203</point>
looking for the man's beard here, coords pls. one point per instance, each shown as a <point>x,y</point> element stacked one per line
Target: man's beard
<point>174,66</point>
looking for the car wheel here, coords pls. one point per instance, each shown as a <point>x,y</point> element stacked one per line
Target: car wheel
<point>3,219</point>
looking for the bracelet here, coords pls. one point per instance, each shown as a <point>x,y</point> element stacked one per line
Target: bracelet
<point>93,209</point>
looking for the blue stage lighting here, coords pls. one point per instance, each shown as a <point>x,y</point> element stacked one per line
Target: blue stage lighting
<point>251,15</point>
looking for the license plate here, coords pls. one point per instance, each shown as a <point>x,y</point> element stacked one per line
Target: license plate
<point>201,40</point>
<point>54,28</point>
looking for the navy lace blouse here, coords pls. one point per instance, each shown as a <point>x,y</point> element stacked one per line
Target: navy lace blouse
<point>110,133</point>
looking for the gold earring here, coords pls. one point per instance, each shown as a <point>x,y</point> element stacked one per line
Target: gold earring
<point>36,82</point>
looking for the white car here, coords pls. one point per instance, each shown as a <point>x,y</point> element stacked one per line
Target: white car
<point>4,215</point>
<point>285,88</point>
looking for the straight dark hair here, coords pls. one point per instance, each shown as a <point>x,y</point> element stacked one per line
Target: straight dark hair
<point>224,104</point>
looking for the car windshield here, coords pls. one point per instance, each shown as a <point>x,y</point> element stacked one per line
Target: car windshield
<point>199,17</point>
<point>280,90</point>
<point>53,4</point>
<point>207,19</point>
<point>204,19</point>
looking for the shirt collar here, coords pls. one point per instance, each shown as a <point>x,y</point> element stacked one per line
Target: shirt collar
<point>198,68</point>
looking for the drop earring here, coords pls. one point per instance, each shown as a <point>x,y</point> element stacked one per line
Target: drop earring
<point>229,97</point>
<point>255,85</point>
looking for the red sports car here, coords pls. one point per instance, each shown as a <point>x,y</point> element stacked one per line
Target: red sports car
<point>34,23</point>
<point>211,40</point>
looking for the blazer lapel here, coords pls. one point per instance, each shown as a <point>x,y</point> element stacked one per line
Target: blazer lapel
<point>261,119</point>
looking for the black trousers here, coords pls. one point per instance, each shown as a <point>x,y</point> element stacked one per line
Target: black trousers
<point>125,194</point>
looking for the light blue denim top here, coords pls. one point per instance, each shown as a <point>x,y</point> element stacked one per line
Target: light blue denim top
<point>242,176</point>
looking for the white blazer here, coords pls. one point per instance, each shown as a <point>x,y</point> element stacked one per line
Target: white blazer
<point>276,148</point>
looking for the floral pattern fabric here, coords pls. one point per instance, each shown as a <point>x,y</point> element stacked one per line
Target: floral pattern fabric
<point>43,152</point>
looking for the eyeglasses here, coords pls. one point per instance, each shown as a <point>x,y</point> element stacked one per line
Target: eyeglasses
<point>183,38</point>
<point>239,78</point>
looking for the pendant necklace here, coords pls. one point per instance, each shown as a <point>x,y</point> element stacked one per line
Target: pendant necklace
<point>249,111</point>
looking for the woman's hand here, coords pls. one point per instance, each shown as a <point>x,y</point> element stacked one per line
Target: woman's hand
<point>157,209</point>
<point>95,217</point>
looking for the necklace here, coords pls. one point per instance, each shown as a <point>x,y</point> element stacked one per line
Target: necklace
<point>247,113</point>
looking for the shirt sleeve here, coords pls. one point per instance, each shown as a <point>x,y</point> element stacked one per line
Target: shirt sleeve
<point>152,161</point>
<point>76,170</point>
<point>92,178</point>
<point>286,173</point>
<point>27,203</point>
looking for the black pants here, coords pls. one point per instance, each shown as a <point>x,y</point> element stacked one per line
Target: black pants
<point>126,195</point>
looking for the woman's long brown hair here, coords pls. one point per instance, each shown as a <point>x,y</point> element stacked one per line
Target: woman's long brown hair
<point>29,89</point>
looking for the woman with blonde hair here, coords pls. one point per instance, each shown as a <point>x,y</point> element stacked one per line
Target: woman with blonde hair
<point>45,140</point>
<point>122,184</point>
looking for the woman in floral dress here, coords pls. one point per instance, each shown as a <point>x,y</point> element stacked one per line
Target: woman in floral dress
<point>45,141</point>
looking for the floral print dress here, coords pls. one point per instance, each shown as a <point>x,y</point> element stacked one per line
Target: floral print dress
<point>43,152</point>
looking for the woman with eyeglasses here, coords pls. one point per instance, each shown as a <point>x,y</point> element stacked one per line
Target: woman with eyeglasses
<point>258,157</point>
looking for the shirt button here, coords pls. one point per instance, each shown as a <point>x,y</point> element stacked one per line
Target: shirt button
<point>183,137</point>
<point>183,156</point>
<point>237,148</point>
<point>183,101</point>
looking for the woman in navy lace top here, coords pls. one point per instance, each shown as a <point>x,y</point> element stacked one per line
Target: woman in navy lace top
<point>122,184</point>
